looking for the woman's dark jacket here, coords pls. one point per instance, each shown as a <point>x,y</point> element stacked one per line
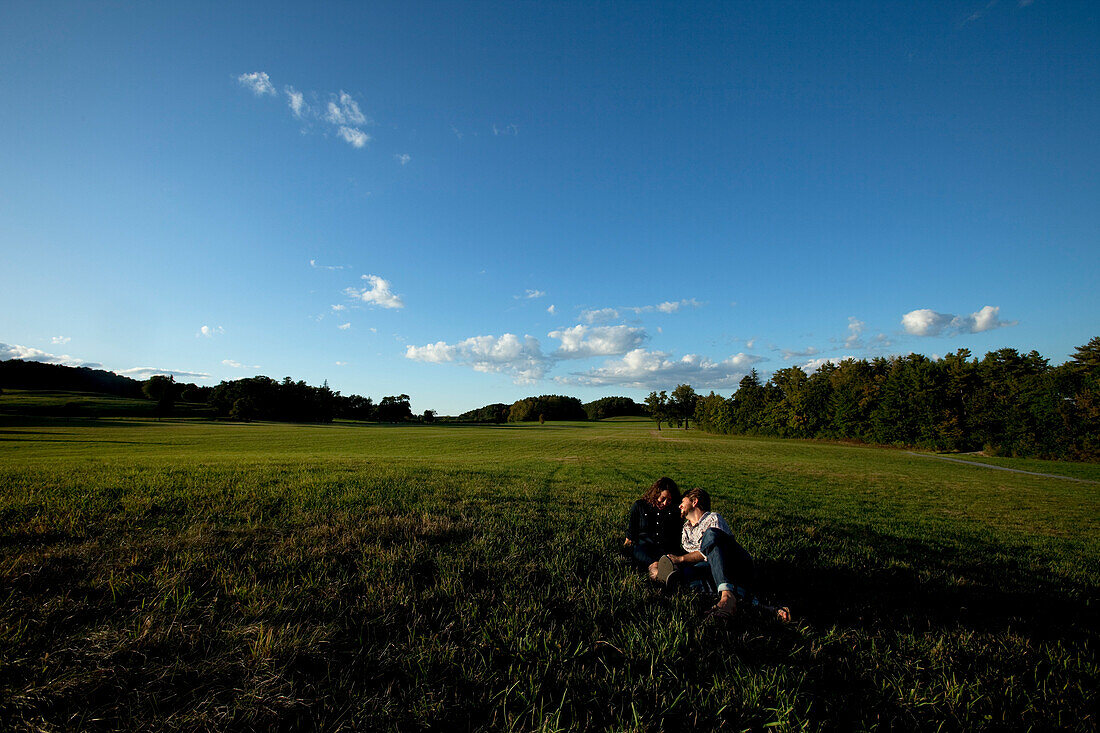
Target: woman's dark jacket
<point>650,525</point>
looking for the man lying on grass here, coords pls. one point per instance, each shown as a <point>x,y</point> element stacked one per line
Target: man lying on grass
<point>712,560</point>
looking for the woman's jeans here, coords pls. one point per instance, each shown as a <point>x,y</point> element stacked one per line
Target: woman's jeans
<point>645,553</point>
<point>727,567</point>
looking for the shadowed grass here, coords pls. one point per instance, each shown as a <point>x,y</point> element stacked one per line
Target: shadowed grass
<point>183,574</point>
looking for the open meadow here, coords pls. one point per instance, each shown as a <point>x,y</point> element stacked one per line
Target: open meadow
<point>184,574</point>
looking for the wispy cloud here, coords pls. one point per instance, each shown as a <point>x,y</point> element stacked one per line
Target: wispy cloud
<point>60,340</point>
<point>644,369</point>
<point>552,309</point>
<point>344,110</point>
<point>344,326</point>
<point>599,315</point>
<point>979,13</point>
<point>789,354</point>
<point>379,293</point>
<point>403,158</point>
<point>581,342</point>
<point>209,331</point>
<point>146,372</point>
<point>258,82</point>
<point>927,322</point>
<point>522,358</point>
<point>341,363</point>
<point>315,266</point>
<point>505,130</point>
<point>237,365</point>
<point>339,112</point>
<point>353,135</point>
<point>530,294</point>
<point>603,315</point>
<point>296,101</point>
<point>855,331</point>
<point>339,307</point>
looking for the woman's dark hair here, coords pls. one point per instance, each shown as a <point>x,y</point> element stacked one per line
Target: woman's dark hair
<point>700,496</point>
<point>662,484</point>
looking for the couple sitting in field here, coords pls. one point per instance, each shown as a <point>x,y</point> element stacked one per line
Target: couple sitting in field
<point>689,545</point>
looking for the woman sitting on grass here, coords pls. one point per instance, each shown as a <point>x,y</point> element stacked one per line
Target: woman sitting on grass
<point>713,561</point>
<point>654,527</point>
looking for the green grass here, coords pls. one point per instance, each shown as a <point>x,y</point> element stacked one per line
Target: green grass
<point>185,574</point>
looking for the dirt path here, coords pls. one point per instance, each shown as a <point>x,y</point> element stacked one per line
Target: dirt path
<point>1003,468</point>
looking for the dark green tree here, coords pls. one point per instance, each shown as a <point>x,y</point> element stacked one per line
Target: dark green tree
<point>682,403</point>
<point>657,404</point>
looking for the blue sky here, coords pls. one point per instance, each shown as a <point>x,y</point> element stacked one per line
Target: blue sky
<point>475,202</point>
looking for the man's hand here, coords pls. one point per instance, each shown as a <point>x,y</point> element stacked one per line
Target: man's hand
<point>627,542</point>
<point>653,571</point>
<point>691,557</point>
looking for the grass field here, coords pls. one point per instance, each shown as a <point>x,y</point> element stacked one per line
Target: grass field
<point>184,574</point>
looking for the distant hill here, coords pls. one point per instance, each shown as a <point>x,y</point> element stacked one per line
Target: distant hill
<point>61,403</point>
<point>19,374</point>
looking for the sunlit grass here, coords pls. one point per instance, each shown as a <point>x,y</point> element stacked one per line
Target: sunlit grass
<point>183,574</point>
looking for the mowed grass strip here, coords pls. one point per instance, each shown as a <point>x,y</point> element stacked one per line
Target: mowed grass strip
<point>180,574</point>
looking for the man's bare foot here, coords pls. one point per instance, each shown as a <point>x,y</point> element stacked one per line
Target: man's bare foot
<point>727,602</point>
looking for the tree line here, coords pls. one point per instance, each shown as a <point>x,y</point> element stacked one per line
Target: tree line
<point>1006,403</point>
<point>553,407</point>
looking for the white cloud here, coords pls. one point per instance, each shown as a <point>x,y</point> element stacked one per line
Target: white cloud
<point>344,110</point>
<point>813,365</point>
<point>209,331</point>
<point>353,135</point>
<point>987,319</point>
<point>506,130</point>
<point>644,369</point>
<point>552,310</point>
<point>339,308</point>
<point>926,322</point>
<point>258,81</point>
<point>27,353</point>
<point>341,363</point>
<point>341,112</point>
<point>403,158</point>
<point>508,353</point>
<point>146,372</point>
<point>344,326</point>
<point>581,342</point>
<point>674,307</point>
<point>60,340</point>
<point>599,315</point>
<point>529,294</point>
<point>378,293</point>
<point>669,306</point>
<point>750,343</point>
<point>604,315</point>
<point>237,365</point>
<point>315,266</point>
<point>855,330</point>
<point>296,101</point>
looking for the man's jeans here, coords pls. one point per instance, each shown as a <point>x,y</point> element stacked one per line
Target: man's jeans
<point>727,567</point>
